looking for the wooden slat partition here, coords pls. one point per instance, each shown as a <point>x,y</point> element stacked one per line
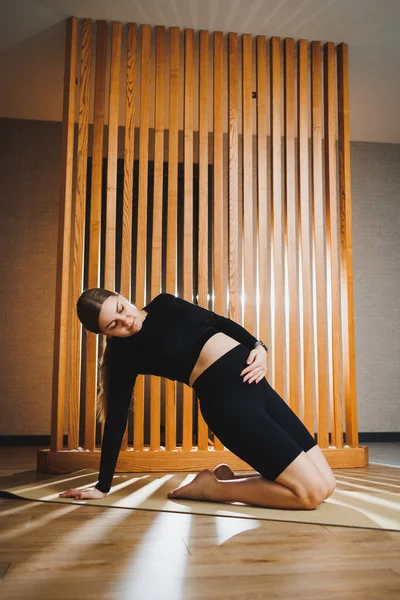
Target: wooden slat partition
<point>187,287</point>
<point>79,233</point>
<point>95,227</point>
<point>291,226</point>
<point>306,341</point>
<point>277,225</point>
<point>333,244</point>
<point>172,220</point>
<point>321,342</point>
<point>288,250</point>
<point>202,428</point>
<point>156,266</point>
<point>62,322</point>
<point>346,248</point>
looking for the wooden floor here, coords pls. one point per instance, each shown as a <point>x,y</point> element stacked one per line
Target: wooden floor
<point>75,552</point>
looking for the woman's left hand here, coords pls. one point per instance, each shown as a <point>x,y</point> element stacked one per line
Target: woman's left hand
<point>258,365</point>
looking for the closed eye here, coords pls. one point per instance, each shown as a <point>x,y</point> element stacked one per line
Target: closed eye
<point>120,309</point>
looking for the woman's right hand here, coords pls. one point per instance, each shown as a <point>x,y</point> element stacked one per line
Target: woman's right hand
<point>87,494</point>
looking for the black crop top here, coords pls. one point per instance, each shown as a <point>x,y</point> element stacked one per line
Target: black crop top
<point>168,345</point>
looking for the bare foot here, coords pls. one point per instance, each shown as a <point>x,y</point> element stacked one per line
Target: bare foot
<point>198,489</point>
<point>223,472</point>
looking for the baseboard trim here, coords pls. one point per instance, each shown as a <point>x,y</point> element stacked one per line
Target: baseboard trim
<point>385,436</point>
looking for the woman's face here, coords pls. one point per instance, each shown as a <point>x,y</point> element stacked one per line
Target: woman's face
<point>119,318</point>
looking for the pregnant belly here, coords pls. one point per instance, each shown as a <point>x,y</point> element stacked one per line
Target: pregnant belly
<point>213,349</point>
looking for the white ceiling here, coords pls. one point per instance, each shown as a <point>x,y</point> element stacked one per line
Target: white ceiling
<point>371,28</point>
<point>358,22</point>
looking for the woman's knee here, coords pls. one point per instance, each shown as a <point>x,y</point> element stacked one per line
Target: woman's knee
<point>316,496</point>
<point>317,457</point>
<point>306,481</point>
<point>331,489</point>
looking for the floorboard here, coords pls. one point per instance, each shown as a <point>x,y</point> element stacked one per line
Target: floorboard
<point>73,551</point>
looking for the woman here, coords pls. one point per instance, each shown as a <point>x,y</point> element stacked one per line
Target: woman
<point>226,366</point>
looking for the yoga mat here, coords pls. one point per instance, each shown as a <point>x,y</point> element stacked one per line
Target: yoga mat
<point>369,509</point>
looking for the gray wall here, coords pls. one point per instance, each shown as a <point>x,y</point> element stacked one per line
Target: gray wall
<point>29,180</point>
<point>30,155</point>
<point>375,172</point>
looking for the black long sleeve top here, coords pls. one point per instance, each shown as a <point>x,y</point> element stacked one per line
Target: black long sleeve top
<point>168,345</point>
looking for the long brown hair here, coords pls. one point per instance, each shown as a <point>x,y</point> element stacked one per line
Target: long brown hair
<point>88,309</point>
<point>104,378</point>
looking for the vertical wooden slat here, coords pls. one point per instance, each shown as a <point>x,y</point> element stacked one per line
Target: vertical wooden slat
<point>172,219</point>
<point>112,161</point>
<point>319,245</point>
<point>156,267</point>
<point>62,321</point>
<point>248,218</point>
<point>202,429</point>
<point>129,152</point>
<point>333,242</point>
<point>234,271</point>
<point>307,391</point>
<point>292,227</point>
<point>79,234</point>
<point>263,225</point>
<point>140,296</point>
<point>95,227</point>
<point>188,219</point>
<point>346,248</point>
<point>277,225</point>
<point>203,169</point>
<point>218,230</point>
<point>112,157</point>
<point>218,207</point>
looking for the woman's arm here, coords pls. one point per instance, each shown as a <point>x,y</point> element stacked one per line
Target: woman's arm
<point>114,429</point>
<point>235,331</point>
<point>226,325</point>
<point>119,395</point>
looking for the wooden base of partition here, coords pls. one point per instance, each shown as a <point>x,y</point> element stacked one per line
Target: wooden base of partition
<point>147,461</point>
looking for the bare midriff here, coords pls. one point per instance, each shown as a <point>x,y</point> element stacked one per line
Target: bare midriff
<point>215,347</point>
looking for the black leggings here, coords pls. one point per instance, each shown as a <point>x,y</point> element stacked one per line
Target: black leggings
<point>251,420</point>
